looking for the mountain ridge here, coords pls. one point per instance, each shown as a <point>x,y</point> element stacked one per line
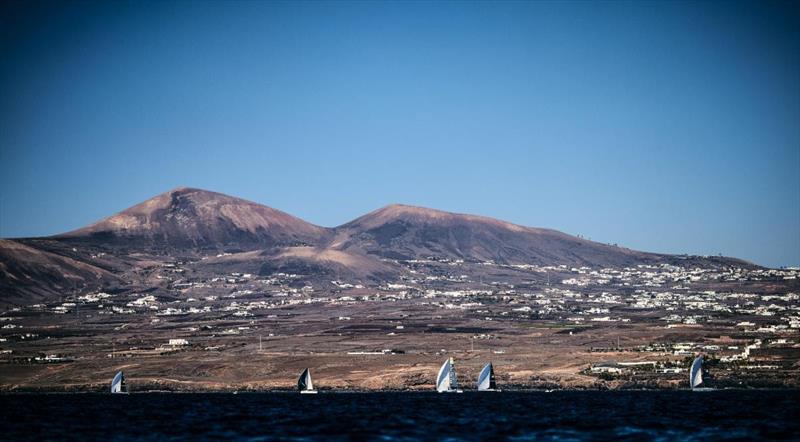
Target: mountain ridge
<point>195,225</point>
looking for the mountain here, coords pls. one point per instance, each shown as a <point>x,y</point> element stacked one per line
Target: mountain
<point>187,218</point>
<point>406,232</point>
<point>214,234</point>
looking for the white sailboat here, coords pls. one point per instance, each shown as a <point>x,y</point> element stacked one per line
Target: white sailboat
<point>118,384</point>
<point>446,381</point>
<point>304,384</point>
<point>486,381</point>
<point>696,375</point>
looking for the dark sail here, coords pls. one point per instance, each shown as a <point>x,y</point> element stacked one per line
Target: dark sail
<point>492,383</point>
<point>301,383</point>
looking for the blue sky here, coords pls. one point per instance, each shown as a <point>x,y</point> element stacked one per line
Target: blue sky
<point>661,126</point>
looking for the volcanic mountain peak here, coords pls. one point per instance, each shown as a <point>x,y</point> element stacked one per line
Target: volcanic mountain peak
<point>196,216</point>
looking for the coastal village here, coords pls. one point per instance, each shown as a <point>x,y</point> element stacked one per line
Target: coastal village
<point>543,327</point>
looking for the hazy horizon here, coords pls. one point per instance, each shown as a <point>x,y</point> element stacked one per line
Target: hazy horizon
<point>663,127</point>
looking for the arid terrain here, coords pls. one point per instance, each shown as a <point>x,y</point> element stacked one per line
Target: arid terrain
<point>194,290</point>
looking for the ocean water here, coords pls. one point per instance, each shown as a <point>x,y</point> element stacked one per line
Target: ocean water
<point>516,416</point>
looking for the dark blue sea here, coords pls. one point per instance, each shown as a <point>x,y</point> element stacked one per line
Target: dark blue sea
<point>561,416</point>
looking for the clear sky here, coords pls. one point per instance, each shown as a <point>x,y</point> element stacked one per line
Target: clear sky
<point>661,126</point>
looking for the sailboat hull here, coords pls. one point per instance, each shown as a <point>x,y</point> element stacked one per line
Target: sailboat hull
<point>308,392</point>
<point>451,391</point>
<point>494,390</point>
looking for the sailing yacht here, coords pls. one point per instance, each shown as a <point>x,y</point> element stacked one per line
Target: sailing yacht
<point>304,384</point>
<point>118,384</point>
<point>486,381</point>
<point>446,381</point>
<point>696,375</point>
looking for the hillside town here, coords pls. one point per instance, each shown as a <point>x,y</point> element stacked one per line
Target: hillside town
<point>544,326</point>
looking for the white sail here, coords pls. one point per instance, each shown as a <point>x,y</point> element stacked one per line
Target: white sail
<point>443,378</point>
<point>116,383</point>
<point>309,384</point>
<point>485,378</point>
<point>696,372</point>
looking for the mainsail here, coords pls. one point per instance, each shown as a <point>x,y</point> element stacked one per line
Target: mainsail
<point>118,383</point>
<point>446,379</point>
<point>696,373</point>
<point>486,380</point>
<point>304,383</point>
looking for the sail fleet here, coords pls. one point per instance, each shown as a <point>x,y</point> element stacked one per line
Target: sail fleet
<point>446,379</point>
